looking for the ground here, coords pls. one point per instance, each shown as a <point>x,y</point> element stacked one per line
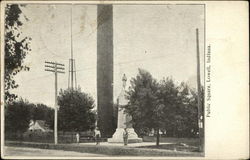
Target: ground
<point>29,149</point>
<point>30,152</point>
<point>131,145</point>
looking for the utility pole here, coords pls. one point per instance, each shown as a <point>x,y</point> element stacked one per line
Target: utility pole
<point>200,116</point>
<point>55,68</point>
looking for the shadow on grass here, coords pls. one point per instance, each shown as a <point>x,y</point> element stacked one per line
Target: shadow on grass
<point>174,147</point>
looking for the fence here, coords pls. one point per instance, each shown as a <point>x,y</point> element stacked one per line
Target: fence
<point>48,137</point>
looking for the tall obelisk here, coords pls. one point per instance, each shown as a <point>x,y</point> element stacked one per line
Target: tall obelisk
<point>124,120</point>
<point>105,69</point>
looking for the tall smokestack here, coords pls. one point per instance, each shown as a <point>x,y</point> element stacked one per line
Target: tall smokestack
<point>105,69</point>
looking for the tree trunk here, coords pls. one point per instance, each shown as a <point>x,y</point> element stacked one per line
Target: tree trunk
<point>157,137</point>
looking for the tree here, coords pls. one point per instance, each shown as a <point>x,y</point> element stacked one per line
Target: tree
<point>162,105</point>
<point>186,113</point>
<point>167,97</point>
<point>143,106</point>
<point>17,116</point>
<point>193,104</point>
<point>16,48</point>
<point>43,112</point>
<point>75,112</point>
<point>180,109</point>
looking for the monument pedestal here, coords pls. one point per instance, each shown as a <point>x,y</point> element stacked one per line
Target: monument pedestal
<point>124,120</point>
<point>118,136</point>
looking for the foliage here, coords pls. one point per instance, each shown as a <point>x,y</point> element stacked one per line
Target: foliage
<point>43,112</point>
<point>143,105</point>
<point>162,105</point>
<point>16,49</point>
<point>142,97</point>
<point>180,116</point>
<point>19,113</point>
<point>75,112</point>
<point>17,116</point>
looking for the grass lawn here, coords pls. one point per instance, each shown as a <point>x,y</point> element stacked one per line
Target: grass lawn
<point>174,147</point>
<point>175,144</point>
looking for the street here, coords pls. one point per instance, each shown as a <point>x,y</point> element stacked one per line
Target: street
<point>24,151</point>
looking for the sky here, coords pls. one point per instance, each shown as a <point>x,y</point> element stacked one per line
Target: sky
<point>158,38</point>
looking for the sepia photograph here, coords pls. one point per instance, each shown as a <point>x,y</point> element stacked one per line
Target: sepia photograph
<point>103,80</point>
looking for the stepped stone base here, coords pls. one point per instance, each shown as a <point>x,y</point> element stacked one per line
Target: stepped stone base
<point>118,136</point>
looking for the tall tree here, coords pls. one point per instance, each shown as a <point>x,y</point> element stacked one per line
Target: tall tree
<point>75,112</point>
<point>17,116</point>
<point>16,48</point>
<point>162,105</point>
<point>143,106</point>
<point>168,97</point>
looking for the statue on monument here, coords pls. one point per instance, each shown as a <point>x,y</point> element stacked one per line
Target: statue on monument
<point>124,80</point>
<point>124,120</point>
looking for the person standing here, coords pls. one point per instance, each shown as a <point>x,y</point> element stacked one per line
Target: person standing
<point>77,138</point>
<point>125,136</point>
<point>97,136</point>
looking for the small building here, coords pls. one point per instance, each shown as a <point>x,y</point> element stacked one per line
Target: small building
<point>38,126</point>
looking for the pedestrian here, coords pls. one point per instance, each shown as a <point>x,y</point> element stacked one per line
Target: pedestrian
<point>77,138</point>
<point>125,136</point>
<point>97,136</point>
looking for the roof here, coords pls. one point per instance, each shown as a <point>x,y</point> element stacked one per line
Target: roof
<point>39,124</point>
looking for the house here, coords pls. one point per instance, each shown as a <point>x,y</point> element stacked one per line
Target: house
<point>38,126</point>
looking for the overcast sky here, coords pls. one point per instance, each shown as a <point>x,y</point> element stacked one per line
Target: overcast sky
<point>158,38</point>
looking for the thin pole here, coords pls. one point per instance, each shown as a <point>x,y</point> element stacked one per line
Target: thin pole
<point>72,74</point>
<point>53,67</point>
<point>199,90</point>
<point>69,75</point>
<point>55,117</point>
<point>75,73</point>
<point>71,32</point>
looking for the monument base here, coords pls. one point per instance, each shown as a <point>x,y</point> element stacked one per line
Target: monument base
<point>118,136</point>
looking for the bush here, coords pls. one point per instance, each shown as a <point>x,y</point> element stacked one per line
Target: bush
<point>75,112</point>
<point>17,117</point>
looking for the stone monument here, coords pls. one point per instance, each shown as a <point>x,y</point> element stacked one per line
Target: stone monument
<point>123,120</point>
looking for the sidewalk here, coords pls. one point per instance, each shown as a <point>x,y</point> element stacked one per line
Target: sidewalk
<point>132,145</point>
<point>22,152</point>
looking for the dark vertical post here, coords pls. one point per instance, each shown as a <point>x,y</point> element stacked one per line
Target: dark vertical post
<point>105,69</point>
<point>69,75</point>
<point>200,124</point>
<point>75,73</point>
<point>56,107</point>
<point>157,137</point>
